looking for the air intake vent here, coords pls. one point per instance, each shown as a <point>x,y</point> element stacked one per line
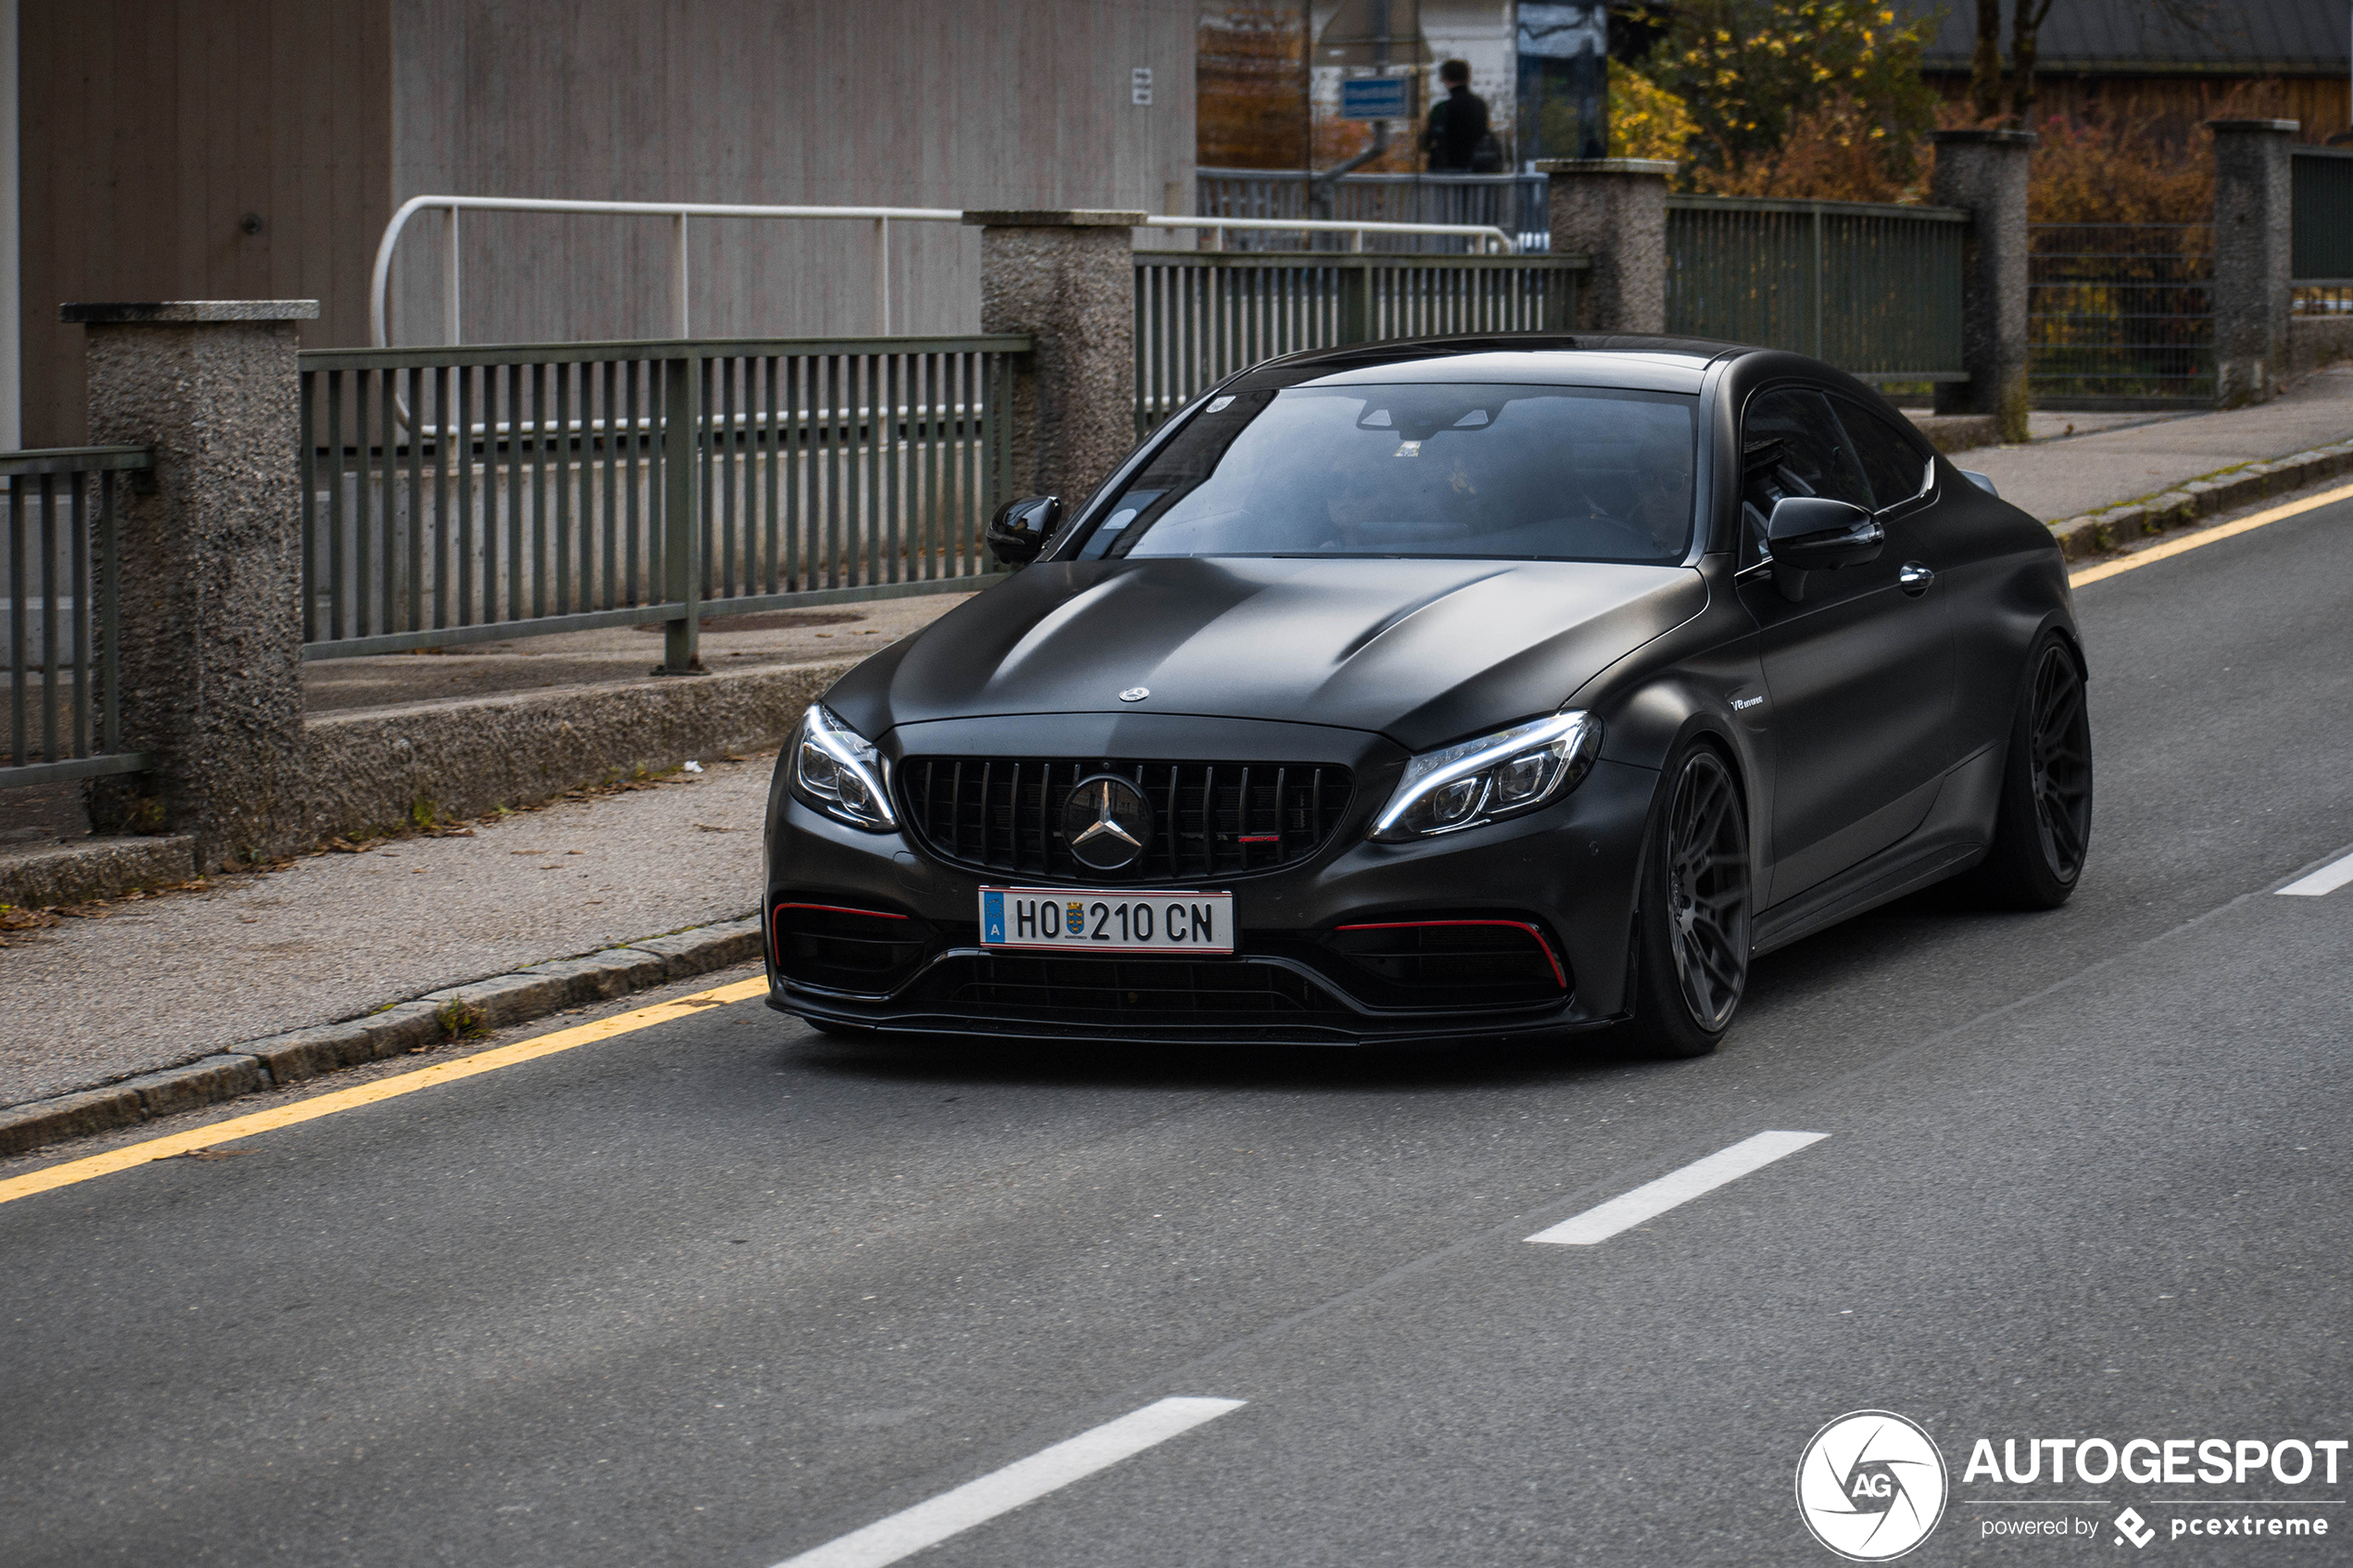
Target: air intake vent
<point>1209,818</point>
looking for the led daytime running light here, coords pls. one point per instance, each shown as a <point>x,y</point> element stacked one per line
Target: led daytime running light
<point>839,772</point>
<point>1567,741</point>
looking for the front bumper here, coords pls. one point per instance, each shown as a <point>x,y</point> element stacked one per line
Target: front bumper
<point>1564,874</point>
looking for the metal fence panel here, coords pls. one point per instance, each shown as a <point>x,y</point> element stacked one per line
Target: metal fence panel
<point>2321,215</point>
<point>1518,204</point>
<point>454,496</point>
<point>2120,315</point>
<point>1201,316</point>
<point>62,600</point>
<point>1875,290</point>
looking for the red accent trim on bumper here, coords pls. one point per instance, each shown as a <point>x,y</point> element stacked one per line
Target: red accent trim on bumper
<point>1560,976</point>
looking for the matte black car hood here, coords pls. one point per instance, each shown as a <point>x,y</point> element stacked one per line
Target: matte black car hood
<point>1424,651</point>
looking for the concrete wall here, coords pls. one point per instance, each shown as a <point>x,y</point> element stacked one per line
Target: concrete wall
<point>993,104</point>
<point>151,129</point>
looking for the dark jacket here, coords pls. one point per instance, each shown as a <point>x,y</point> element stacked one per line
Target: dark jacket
<point>1458,125</point>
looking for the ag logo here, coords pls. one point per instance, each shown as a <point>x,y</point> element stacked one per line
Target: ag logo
<point>1870,1486</point>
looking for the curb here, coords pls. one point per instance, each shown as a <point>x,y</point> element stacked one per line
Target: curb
<point>1958,433</point>
<point>2179,507</point>
<point>277,1060</point>
<point>100,868</point>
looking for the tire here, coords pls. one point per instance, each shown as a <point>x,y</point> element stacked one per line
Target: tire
<point>2045,826</point>
<point>1692,919</point>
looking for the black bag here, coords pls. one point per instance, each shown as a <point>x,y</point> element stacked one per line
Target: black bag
<point>1487,157</point>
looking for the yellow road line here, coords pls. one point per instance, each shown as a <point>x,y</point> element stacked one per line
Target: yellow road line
<point>2207,536</point>
<point>440,1073</point>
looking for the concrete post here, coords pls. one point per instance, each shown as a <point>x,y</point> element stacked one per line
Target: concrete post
<point>1068,280</point>
<point>2252,203</point>
<point>1983,172</point>
<point>211,625</point>
<point>1613,210</point>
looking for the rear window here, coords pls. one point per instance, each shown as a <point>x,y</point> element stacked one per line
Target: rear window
<point>1447,469</point>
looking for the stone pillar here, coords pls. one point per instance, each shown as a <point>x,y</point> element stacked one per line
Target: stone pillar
<point>1983,172</point>
<point>212,597</point>
<point>1613,210</point>
<point>1068,281</point>
<point>2252,202</point>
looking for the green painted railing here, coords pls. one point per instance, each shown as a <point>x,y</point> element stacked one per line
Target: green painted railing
<point>456,496</point>
<point>63,598</point>
<point>1875,290</point>
<point>1203,315</point>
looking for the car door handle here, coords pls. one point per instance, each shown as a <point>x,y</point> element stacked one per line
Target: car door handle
<point>1915,578</point>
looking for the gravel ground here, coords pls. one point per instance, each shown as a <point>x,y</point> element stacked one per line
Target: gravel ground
<point>2059,479</point>
<point>163,980</point>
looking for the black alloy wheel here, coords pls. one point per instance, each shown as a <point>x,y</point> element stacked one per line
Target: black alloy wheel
<point>1694,922</point>
<point>2061,753</point>
<point>2044,830</point>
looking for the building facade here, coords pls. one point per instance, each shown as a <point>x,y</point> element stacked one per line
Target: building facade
<point>174,149</point>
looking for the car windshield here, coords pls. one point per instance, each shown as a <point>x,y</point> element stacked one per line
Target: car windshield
<point>1504,473</point>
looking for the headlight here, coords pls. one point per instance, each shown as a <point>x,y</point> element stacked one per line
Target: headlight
<point>839,772</point>
<point>1499,775</point>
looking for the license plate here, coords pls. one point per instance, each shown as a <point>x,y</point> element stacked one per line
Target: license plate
<point>1099,920</point>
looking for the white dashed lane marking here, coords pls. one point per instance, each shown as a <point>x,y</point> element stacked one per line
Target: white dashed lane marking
<point>2327,880</point>
<point>1000,1491</point>
<point>1653,1199</point>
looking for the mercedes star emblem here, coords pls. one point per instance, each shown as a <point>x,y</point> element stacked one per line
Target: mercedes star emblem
<point>1107,821</point>
<point>1135,694</point>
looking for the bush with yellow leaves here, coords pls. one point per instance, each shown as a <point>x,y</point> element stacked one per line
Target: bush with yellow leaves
<point>1818,98</point>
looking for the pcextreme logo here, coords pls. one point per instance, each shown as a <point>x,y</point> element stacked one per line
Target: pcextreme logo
<point>1870,1486</point>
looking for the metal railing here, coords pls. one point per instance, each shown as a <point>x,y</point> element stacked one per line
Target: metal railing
<point>1201,316</point>
<point>1518,204</point>
<point>64,604</point>
<point>2120,315</point>
<point>1873,289</point>
<point>1486,235</point>
<point>1452,234</point>
<point>457,495</point>
<point>679,213</point>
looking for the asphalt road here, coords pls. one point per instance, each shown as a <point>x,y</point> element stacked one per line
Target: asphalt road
<point>723,1291</point>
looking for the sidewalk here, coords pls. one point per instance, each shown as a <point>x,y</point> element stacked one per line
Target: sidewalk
<point>161,981</point>
<point>2117,457</point>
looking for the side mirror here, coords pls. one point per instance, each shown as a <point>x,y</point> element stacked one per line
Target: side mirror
<point>1983,482</point>
<point>1021,528</point>
<point>1816,534</point>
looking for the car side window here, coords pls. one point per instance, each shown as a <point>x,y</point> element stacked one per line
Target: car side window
<point>1792,445</point>
<point>1897,469</point>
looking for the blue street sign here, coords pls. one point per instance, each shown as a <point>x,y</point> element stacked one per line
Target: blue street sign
<point>1375,97</point>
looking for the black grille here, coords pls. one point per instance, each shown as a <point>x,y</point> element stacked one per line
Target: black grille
<point>846,949</point>
<point>1467,962</point>
<point>1143,991</point>
<point>1209,818</point>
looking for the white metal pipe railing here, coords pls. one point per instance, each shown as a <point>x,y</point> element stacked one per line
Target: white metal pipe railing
<point>678,212</point>
<point>881,217</point>
<point>1508,245</point>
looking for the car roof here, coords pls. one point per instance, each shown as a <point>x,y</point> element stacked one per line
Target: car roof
<point>1655,364</point>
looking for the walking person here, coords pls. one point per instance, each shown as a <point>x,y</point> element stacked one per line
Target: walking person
<point>1459,140</point>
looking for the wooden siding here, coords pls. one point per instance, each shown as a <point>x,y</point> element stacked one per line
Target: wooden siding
<point>907,103</point>
<point>151,129</point>
<point>2177,102</point>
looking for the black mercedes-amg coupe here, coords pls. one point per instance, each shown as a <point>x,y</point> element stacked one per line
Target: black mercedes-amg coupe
<point>1443,691</point>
